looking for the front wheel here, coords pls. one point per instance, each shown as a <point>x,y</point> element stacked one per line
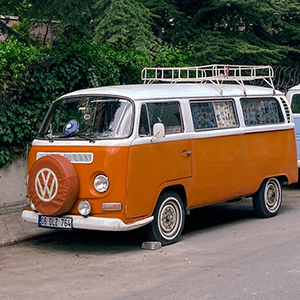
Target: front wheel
<point>267,200</point>
<point>169,218</point>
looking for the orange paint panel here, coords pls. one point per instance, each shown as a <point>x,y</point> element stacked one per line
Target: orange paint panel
<point>150,166</point>
<point>218,165</point>
<point>232,166</point>
<point>268,155</point>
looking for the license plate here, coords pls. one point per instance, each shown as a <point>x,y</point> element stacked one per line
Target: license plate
<point>56,222</point>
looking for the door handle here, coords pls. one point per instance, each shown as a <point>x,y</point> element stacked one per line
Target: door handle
<point>186,153</point>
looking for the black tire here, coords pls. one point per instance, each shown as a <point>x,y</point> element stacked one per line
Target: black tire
<point>169,218</point>
<point>298,182</point>
<point>267,200</point>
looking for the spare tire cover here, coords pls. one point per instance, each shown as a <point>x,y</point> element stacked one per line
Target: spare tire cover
<point>53,185</point>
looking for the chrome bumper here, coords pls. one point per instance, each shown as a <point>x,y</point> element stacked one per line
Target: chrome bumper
<point>93,223</point>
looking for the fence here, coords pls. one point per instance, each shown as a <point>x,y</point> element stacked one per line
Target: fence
<point>285,77</point>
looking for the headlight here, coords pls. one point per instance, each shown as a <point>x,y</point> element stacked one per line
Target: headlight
<point>84,208</point>
<point>101,183</point>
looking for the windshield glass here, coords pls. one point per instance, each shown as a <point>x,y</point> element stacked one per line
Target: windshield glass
<point>88,117</point>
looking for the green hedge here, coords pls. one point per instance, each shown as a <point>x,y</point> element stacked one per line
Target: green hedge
<point>31,78</point>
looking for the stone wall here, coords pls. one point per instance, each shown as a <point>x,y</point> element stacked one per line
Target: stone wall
<point>12,183</point>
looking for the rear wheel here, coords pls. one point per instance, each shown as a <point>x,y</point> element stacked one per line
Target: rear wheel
<point>267,200</point>
<point>169,218</point>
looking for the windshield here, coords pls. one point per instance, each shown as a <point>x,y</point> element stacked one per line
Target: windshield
<point>89,118</point>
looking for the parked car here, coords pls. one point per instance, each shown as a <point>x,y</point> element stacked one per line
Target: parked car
<point>293,97</point>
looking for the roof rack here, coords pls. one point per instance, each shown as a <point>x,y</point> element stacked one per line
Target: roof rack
<point>216,74</point>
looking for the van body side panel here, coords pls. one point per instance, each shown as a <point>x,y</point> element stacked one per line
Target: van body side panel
<point>110,160</point>
<point>228,167</point>
<point>151,165</point>
<point>217,169</point>
<point>268,156</point>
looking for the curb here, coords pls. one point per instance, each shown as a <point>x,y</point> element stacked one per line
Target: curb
<point>14,230</point>
<point>26,239</point>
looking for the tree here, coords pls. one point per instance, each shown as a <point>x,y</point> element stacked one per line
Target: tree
<point>231,31</point>
<point>247,31</point>
<point>169,24</point>
<point>124,21</point>
<point>68,20</point>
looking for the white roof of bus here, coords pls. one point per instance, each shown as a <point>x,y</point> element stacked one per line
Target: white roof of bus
<point>175,91</point>
<point>296,87</point>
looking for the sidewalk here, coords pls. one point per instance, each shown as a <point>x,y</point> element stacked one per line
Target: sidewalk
<point>13,229</point>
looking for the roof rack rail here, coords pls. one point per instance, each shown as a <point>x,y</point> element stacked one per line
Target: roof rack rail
<point>216,74</point>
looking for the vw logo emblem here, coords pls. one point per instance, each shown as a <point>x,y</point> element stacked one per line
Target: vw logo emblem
<point>46,184</point>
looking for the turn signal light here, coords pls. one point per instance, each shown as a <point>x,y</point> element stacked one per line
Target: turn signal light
<point>112,206</point>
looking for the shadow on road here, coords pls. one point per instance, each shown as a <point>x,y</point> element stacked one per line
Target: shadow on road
<point>219,215</point>
<point>82,241</point>
<point>199,220</point>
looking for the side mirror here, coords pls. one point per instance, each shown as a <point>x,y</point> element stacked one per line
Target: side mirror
<point>158,131</point>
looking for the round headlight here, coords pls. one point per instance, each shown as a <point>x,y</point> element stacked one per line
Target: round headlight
<point>101,183</point>
<point>84,208</point>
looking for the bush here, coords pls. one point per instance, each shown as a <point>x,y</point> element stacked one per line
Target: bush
<point>31,78</point>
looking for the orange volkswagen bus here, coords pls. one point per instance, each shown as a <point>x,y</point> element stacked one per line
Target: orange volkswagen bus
<point>117,158</point>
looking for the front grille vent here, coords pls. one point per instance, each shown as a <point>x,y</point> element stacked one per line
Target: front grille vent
<point>75,158</point>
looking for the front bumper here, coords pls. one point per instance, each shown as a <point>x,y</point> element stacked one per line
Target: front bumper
<point>93,223</point>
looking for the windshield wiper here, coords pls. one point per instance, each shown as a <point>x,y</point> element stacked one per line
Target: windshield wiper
<point>91,140</point>
<point>85,136</point>
<point>50,137</point>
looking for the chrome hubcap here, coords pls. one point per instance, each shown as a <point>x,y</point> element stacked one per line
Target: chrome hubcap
<point>272,195</point>
<point>169,218</point>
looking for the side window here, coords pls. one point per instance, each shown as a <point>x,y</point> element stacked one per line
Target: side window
<point>213,114</point>
<point>260,111</point>
<point>167,113</point>
<point>144,129</point>
<point>296,104</point>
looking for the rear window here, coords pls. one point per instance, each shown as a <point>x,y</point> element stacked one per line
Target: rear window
<point>261,111</point>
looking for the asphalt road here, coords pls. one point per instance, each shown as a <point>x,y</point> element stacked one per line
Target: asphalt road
<point>225,253</point>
